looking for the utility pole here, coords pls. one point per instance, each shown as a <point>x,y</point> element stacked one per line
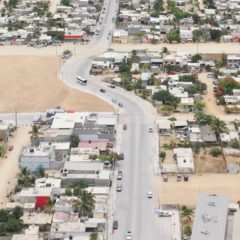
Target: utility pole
<point>16,116</point>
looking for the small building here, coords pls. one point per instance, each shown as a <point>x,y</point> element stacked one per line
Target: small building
<point>145,76</point>
<point>187,104</point>
<point>39,196</point>
<point>164,127</point>
<point>120,36</point>
<point>207,134</point>
<point>210,222</point>
<point>184,158</point>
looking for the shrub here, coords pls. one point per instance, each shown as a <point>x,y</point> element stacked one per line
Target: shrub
<point>215,152</point>
<point>235,144</point>
<point>162,155</point>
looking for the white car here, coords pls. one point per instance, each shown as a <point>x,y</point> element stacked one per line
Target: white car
<point>114,100</point>
<point>129,235</point>
<point>149,194</point>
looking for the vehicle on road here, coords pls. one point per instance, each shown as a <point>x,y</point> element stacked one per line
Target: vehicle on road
<point>112,86</point>
<point>82,80</point>
<point>150,130</point>
<point>102,90</point>
<point>114,100</point>
<point>115,224</point>
<point>120,105</point>
<point>119,187</point>
<point>149,194</point>
<point>129,235</point>
<point>119,175</point>
<point>124,126</point>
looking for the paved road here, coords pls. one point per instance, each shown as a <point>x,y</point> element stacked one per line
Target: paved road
<point>133,210</point>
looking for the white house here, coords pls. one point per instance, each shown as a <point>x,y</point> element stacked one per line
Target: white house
<point>184,158</point>
<point>186,35</point>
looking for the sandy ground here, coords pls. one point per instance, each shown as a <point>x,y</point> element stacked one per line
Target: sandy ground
<point>173,192</point>
<point>9,165</point>
<point>33,86</point>
<point>209,99</point>
<point>84,51</point>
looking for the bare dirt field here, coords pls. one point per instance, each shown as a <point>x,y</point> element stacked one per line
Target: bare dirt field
<point>206,163</point>
<point>31,84</point>
<point>186,193</point>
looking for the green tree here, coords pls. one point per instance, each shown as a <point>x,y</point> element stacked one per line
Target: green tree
<point>199,105</point>
<point>74,140</point>
<point>186,212</point>
<point>203,119</point>
<point>3,149</point>
<point>174,36</point>
<point>215,35</point>
<point>85,204</point>
<point>235,144</point>
<point>196,58</point>
<point>215,152</point>
<point>17,212</point>
<point>164,50</point>
<point>218,126</point>
<point>94,236</point>
<point>35,134</point>
<point>40,171</point>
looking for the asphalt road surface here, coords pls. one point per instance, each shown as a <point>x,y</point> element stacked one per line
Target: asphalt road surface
<point>133,210</point>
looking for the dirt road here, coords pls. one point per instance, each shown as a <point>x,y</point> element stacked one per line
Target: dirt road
<point>9,166</point>
<point>33,86</point>
<point>173,192</point>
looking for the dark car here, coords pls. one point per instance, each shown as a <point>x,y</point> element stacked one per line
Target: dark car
<point>102,90</point>
<point>115,224</point>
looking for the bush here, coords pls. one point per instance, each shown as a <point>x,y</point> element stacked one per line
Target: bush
<point>215,152</point>
<point>162,155</point>
<point>235,144</point>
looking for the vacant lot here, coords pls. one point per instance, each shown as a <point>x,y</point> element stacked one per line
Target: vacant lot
<point>31,84</point>
<point>173,192</point>
<point>206,163</point>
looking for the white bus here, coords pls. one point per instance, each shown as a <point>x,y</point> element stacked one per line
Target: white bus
<point>81,80</point>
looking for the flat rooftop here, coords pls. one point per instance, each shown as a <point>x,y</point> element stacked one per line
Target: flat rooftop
<point>210,222</point>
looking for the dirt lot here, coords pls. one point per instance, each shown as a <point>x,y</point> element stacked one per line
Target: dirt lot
<point>186,193</point>
<point>9,165</point>
<point>206,163</point>
<point>31,84</point>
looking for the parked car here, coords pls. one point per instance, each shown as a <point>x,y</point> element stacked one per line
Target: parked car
<point>124,126</point>
<point>114,100</point>
<point>115,224</point>
<point>119,187</point>
<point>120,105</point>
<point>119,175</point>
<point>102,90</point>
<point>112,86</point>
<point>129,235</point>
<point>10,147</point>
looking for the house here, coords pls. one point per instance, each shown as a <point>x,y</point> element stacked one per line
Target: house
<point>37,219</point>
<point>233,60</point>
<point>145,76</point>
<point>33,157</point>
<point>120,36</point>
<point>210,221</point>
<point>164,127</point>
<point>184,158</point>
<point>186,35</point>
<point>40,196</point>
<point>92,172</point>
<point>66,229</point>
<point>187,104</point>
<point>194,134</point>
<point>53,183</point>
<point>207,134</point>
<point>101,145</point>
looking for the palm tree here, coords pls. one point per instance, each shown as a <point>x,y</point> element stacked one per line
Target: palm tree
<point>186,212</point>
<point>85,204</point>
<point>94,236</point>
<point>35,133</point>
<point>49,209</point>
<point>218,126</point>
<point>164,50</point>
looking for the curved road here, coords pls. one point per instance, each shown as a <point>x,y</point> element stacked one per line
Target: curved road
<point>133,210</point>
